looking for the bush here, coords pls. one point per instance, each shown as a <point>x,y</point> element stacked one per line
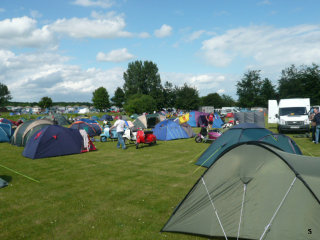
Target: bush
<point>140,103</point>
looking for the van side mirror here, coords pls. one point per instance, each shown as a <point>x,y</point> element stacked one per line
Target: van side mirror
<point>277,116</point>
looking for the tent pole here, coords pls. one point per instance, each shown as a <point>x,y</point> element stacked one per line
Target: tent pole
<point>277,210</point>
<point>208,159</point>
<point>244,193</point>
<point>214,208</point>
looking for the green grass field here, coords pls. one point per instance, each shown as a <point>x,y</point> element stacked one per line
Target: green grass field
<point>105,194</point>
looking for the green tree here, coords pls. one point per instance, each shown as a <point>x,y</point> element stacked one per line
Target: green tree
<point>267,92</point>
<point>248,89</point>
<point>118,98</point>
<point>140,103</point>
<point>300,82</point>
<point>187,98</point>
<point>100,99</point>
<point>4,94</point>
<point>169,94</point>
<point>227,101</point>
<point>143,78</point>
<point>45,102</point>
<point>212,99</point>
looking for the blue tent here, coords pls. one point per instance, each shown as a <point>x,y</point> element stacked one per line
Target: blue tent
<point>93,129</point>
<point>87,120</point>
<point>5,132</point>
<point>106,117</point>
<point>53,140</point>
<point>217,123</point>
<point>4,120</point>
<point>193,119</point>
<point>169,130</point>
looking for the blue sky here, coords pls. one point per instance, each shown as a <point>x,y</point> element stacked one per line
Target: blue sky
<point>65,49</point>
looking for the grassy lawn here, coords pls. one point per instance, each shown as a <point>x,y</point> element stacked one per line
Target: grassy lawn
<point>106,194</point>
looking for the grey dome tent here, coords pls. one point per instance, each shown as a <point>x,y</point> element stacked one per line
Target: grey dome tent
<point>58,119</point>
<point>253,191</point>
<point>188,129</point>
<point>243,133</point>
<point>27,129</point>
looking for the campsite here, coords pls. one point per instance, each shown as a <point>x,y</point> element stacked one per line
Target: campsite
<point>156,120</point>
<point>103,194</point>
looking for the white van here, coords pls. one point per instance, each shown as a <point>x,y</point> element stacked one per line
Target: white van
<point>290,114</point>
<point>226,110</point>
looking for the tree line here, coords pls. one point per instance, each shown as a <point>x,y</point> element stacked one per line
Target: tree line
<point>295,82</point>
<point>143,91</point>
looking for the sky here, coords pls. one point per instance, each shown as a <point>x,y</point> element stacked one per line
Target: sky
<point>65,49</point>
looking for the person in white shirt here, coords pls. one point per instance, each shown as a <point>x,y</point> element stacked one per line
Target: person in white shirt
<point>120,125</point>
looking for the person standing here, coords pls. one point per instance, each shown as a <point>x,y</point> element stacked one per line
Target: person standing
<point>210,119</point>
<point>313,125</point>
<point>316,119</point>
<point>120,125</point>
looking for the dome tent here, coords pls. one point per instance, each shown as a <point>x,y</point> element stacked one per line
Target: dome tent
<point>243,133</point>
<point>253,191</point>
<point>5,132</point>
<point>52,141</point>
<point>27,129</point>
<point>92,129</point>
<point>106,117</point>
<point>188,129</point>
<point>169,130</point>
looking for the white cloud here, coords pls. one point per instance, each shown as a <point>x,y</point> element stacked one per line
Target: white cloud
<point>195,35</point>
<point>265,46</point>
<point>103,26</point>
<point>221,91</point>
<point>94,3</point>
<point>164,31</point>
<point>144,35</point>
<point>118,55</point>
<point>23,32</point>
<point>205,83</point>
<point>264,2</point>
<point>35,14</point>
<point>32,76</point>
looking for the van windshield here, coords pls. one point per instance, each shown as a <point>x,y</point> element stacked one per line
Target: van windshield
<point>293,111</point>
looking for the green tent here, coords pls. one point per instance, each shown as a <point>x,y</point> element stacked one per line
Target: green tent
<point>58,118</point>
<point>243,133</point>
<point>27,129</point>
<point>253,191</point>
<point>134,116</point>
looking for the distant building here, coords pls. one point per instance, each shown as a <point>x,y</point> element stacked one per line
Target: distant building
<point>206,109</point>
